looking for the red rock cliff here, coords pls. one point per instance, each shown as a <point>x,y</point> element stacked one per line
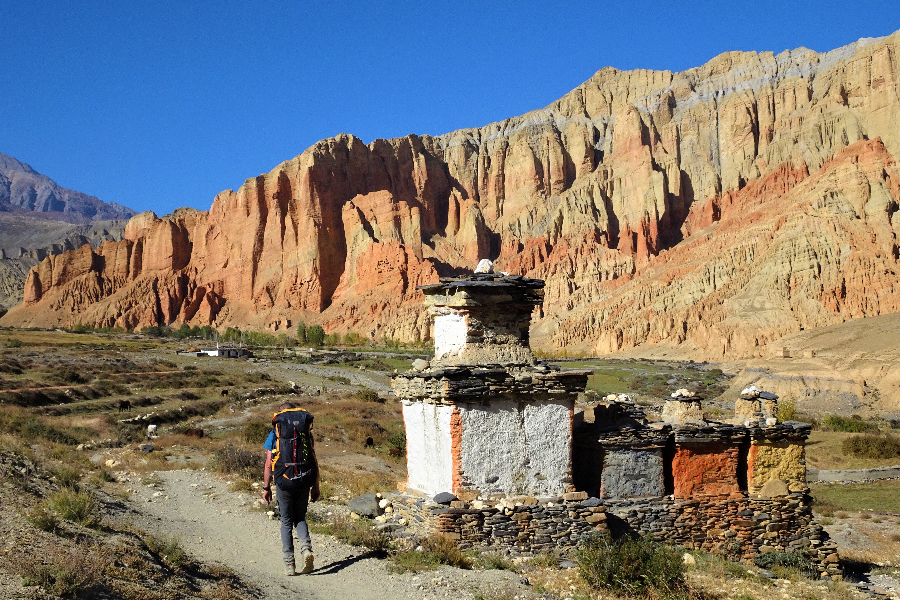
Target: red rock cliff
<point>720,207</point>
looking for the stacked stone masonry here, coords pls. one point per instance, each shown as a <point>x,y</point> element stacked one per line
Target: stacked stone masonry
<point>497,428</point>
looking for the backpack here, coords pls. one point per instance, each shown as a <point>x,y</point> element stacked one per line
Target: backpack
<point>293,459</point>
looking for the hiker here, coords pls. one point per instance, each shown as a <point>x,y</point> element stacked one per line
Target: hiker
<point>291,462</point>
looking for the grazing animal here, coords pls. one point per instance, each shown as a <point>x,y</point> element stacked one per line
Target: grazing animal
<point>370,443</point>
<point>395,452</point>
<point>194,432</point>
<point>151,431</point>
<point>224,393</point>
<point>124,406</point>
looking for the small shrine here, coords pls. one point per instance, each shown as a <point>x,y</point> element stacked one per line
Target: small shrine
<point>484,417</point>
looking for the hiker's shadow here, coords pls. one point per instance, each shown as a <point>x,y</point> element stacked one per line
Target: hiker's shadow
<point>343,564</point>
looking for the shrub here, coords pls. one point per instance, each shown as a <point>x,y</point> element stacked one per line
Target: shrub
<point>42,518</point>
<point>787,411</point>
<point>105,476</point>
<point>852,424</point>
<point>398,441</point>
<point>636,567</point>
<point>872,446</point>
<point>493,561</point>
<point>167,548</point>
<point>238,461</point>
<point>368,395</point>
<point>545,560</point>
<point>78,507</point>
<point>129,433</point>
<point>256,433</point>
<point>13,343</point>
<point>67,476</point>
<point>792,561</point>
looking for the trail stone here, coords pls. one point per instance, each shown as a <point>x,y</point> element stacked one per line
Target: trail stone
<point>445,498</point>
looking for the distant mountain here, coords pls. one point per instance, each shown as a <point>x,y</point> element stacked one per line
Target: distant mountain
<point>24,189</point>
<point>40,218</point>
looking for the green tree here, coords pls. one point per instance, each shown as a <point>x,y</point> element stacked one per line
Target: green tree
<point>301,332</point>
<point>351,338</point>
<point>315,336</point>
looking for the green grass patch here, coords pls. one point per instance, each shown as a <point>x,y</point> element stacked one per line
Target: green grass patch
<point>401,364</point>
<point>650,378</point>
<point>78,507</point>
<point>878,496</point>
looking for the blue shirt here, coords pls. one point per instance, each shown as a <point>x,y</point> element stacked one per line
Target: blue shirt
<point>270,442</point>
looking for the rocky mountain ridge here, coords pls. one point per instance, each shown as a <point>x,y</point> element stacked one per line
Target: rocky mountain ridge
<point>718,209</point>
<point>24,189</point>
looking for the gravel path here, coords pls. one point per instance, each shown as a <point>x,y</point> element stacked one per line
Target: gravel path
<point>218,526</point>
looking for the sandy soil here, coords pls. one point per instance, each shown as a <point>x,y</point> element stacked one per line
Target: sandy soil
<point>230,528</point>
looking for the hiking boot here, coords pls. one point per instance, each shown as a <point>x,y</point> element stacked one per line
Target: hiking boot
<point>289,569</point>
<point>307,559</point>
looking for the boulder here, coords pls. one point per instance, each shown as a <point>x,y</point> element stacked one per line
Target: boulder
<point>366,506</point>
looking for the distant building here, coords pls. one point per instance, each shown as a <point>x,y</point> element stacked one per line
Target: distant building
<point>225,351</point>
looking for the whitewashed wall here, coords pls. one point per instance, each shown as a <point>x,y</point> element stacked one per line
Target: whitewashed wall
<point>449,335</point>
<point>517,447</point>
<point>429,461</point>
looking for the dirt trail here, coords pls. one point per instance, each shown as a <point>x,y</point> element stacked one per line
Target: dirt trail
<point>218,526</point>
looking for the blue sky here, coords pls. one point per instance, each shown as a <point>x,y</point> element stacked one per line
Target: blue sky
<point>157,105</point>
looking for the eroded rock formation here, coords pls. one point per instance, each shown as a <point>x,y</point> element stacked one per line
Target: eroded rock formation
<point>722,207</point>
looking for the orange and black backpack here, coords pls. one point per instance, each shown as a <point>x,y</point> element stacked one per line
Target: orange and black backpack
<point>293,459</point>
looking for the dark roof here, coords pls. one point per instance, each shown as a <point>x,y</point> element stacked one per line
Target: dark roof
<point>487,281</point>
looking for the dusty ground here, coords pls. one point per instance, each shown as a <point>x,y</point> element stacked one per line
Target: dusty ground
<point>219,526</point>
<point>855,368</point>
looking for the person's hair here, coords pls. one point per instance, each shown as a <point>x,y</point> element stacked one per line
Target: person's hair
<point>286,405</point>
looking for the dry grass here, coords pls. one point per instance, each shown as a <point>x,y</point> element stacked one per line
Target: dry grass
<point>435,550</point>
<point>61,570</point>
<point>356,532</point>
